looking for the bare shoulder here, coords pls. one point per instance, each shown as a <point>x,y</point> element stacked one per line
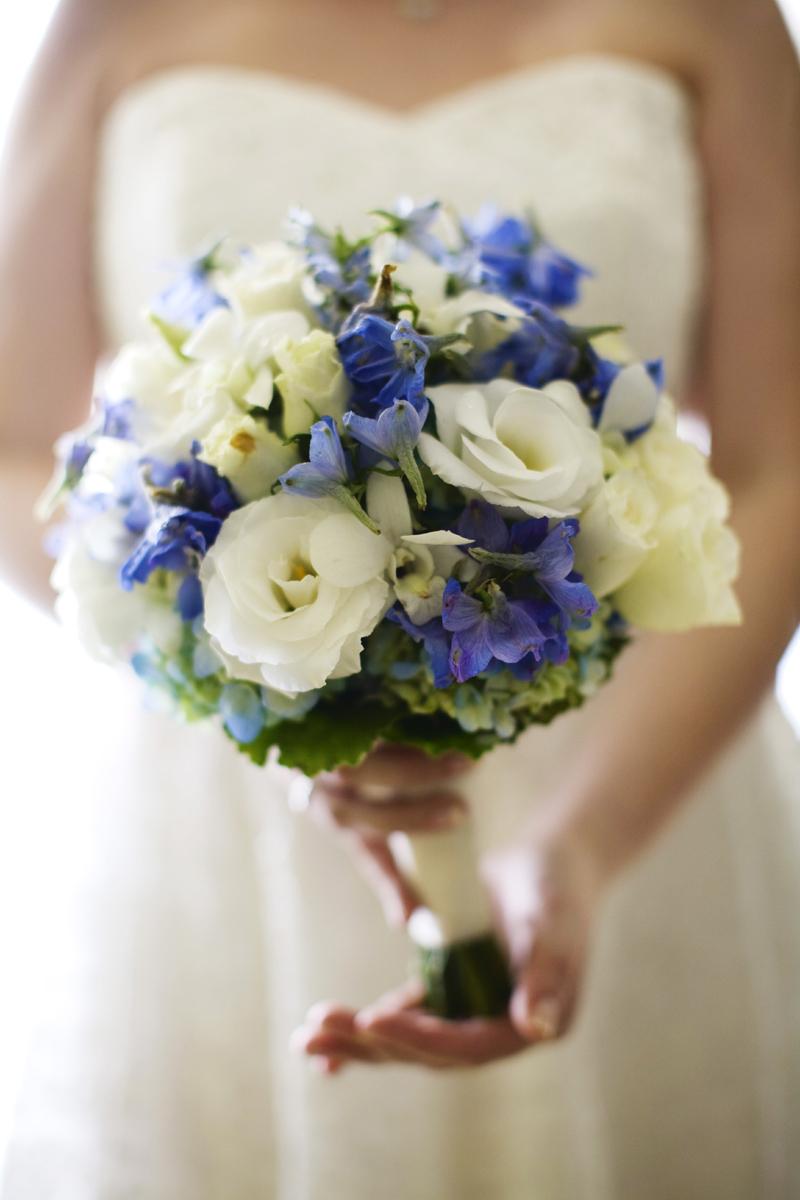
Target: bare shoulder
<point>713,39</point>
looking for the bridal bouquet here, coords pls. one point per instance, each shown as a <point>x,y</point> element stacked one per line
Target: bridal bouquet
<point>348,491</point>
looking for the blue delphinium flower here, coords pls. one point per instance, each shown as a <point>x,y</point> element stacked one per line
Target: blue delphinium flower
<point>192,296</point>
<point>175,540</point>
<point>487,626</point>
<point>340,269</point>
<point>77,456</point>
<point>384,360</point>
<point>242,710</point>
<point>188,503</point>
<point>191,483</point>
<point>639,415</point>
<point>328,471</point>
<point>548,555</point>
<point>411,224</point>
<point>540,348</point>
<point>118,419</point>
<point>509,256</point>
<point>393,434</point>
<point>541,584</point>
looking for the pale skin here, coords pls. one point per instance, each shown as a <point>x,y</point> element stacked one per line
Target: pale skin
<point>639,759</point>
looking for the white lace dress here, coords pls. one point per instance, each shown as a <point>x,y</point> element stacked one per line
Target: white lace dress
<point>212,917</point>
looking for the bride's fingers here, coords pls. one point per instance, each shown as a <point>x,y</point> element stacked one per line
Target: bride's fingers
<point>397,897</point>
<point>438,1042</point>
<point>339,1046</point>
<point>395,767</point>
<point>439,810</point>
<point>544,996</point>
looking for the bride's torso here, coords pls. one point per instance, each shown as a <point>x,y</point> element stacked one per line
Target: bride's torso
<point>600,146</point>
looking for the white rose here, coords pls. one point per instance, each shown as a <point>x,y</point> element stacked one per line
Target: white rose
<point>687,579</point>
<point>248,454</point>
<point>227,336</point>
<point>312,381</point>
<point>292,587</point>
<point>145,371</point>
<point>616,532</point>
<point>229,371</point>
<point>271,278</point>
<point>516,446</point>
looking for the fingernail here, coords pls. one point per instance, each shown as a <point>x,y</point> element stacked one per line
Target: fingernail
<point>543,1018</point>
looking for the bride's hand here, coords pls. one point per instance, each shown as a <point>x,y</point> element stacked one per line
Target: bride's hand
<point>546,895</point>
<point>395,788</point>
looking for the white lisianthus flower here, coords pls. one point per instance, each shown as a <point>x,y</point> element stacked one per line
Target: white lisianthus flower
<point>250,456</point>
<point>292,587</point>
<point>421,563</point>
<point>616,531</point>
<point>312,381</point>
<point>461,313</point>
<point>517,447</point>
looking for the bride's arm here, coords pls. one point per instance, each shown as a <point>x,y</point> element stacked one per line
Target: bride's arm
<point>48,337</point>
<point>675,700</point>
<point>678,699</point>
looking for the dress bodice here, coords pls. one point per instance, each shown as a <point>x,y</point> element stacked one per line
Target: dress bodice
<point>600,147</point>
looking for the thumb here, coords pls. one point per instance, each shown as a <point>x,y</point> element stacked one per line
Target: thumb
<point>537,1005</point>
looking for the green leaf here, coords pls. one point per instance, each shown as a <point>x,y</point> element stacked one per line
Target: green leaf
<point>439,734</point>
<point>173,335</point>
<point>330,736</point>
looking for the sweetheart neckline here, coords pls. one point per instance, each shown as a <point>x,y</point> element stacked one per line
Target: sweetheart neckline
<point>637,70</point>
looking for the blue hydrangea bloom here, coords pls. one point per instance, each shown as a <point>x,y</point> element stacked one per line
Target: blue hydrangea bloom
<point>435,639</point>
<point>384,361</point>
<point>242,711</point>
<point>507,255</point>
<point>190,598</point>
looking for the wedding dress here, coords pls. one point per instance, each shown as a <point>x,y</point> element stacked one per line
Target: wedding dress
<point>214,916</point>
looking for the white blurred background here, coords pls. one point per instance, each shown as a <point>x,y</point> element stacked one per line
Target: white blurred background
<point>41,842</point>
